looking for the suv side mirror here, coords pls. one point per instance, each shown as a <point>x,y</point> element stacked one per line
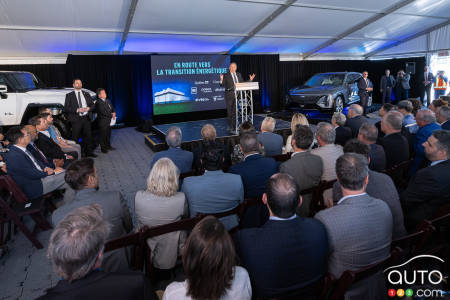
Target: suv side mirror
<point>3,88</point>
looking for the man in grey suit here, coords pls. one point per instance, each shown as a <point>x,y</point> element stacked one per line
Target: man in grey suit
<point>304,167</point>
<point>272,142</point>
<point>82,176</point>
<point>359,228</point>
<point>380,186</point>
<point>214,191</point>
<point>387,83</point>
<point>181,158</point>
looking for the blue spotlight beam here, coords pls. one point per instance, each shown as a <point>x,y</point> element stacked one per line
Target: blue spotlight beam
<point>127,25</point>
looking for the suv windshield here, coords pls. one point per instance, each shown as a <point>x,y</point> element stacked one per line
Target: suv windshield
<point>326,79</point>
<point>20,82</point>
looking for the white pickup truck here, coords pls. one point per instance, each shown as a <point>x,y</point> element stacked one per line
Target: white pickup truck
<point>21,95</point>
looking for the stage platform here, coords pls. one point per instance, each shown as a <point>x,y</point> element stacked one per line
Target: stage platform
<point>192,131</point>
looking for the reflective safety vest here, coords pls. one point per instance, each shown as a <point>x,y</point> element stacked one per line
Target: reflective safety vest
<point>440,83</point>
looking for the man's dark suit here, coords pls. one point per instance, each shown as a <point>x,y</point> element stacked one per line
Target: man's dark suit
<point>377,158</point>
<point>255,170</point>
<point>104,110</point>
<point>81,125</point>
<point>355,123</point>
<point>41,158</point>
<point>426,88</point>
<point>228,83</point>
<point>386,86</point>
<point>396,148</point>
<point>427,191</point>
<point>446,125</point>
<point>307,170</point>
<point>343,134</point>
<point>51,149</point>
<point>363,93</point>
<point>283,256</point>
<point>103,285</point>
<point>22,169</point>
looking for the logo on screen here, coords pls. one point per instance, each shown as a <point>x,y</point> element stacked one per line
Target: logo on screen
<point>206,90</point>
<point>194,90</point>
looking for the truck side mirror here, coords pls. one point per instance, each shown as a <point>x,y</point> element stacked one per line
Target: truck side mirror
<point>3,88</point>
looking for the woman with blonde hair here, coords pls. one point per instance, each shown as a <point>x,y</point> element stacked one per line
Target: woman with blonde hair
<point>297,119</point>
<point>160,204</point>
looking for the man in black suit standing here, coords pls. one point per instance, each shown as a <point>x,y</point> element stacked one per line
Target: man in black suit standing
<point>229,80</point>
<point>78,107</point>
<point>365,88</point>
<point>427,82</point>
<point>105,112</point>
<point>429,189</point>
<point>288,252</point>
<point>387,83</point>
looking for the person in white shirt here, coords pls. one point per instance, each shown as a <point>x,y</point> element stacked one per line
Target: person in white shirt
<point>209,266</point>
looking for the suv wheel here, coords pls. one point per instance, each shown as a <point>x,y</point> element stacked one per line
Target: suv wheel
<point>339,104</point>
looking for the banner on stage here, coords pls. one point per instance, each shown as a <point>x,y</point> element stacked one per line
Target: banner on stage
<point>187,83</point>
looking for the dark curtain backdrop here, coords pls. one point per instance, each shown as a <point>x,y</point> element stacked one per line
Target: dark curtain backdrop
<point>266,69</point>
<point>127,78</point>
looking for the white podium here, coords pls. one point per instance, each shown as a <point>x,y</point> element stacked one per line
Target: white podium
<point>244,101</point>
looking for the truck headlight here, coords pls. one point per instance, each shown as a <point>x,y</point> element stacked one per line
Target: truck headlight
<point>325,101</point>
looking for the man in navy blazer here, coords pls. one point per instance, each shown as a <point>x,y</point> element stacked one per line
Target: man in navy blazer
<point>288,253</point>
<point>181,158</point>
<point>272,142</point>
<point>255,170</point>
<point>426,120</point>
<point>34,180</point>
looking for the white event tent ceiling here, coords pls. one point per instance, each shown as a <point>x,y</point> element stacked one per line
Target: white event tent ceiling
<point>303,29</point>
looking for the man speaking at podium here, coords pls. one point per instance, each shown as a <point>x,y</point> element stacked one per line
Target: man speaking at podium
<point>229,80</point>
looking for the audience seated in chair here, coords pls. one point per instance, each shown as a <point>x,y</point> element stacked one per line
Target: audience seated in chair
<point>380,186</point>
<point>237,156</point>
<point>209,137</point>
<point>430,187</point>
<point>394,143</point>
<point>355,118</point>
<point>41,158</point>
<point>209,262</point>
<point>181,158</point>
<point>272,142</point>
<point>255,170</point>
<point>304,167</point>
<point>405,107</point>
<point>297,119</point>
<point>359,227</point>
<point>67,146</point>
<point>385,108</point>
<point>82,177</point>
<point>288,253</point>
<point>160,204</point>
<point>33,178</point>
<point>214,191</point>
<point>46,144</point>
<point>426,120</point>
<point>343,133</point>
<point>328,152</point>
<point>76,251</point>
<point>368,135</point>
<point>443,117</point>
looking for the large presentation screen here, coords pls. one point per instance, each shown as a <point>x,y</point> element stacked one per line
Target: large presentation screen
<point>186,83</point>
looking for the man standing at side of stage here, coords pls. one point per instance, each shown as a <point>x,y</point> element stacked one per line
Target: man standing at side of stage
<point>78,107</point>
<point>229,80</point>
<point>105,112</point>
<point>365,87</point>
<point>387,83</point>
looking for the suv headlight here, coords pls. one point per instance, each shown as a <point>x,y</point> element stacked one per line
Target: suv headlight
<point>325,101</point>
